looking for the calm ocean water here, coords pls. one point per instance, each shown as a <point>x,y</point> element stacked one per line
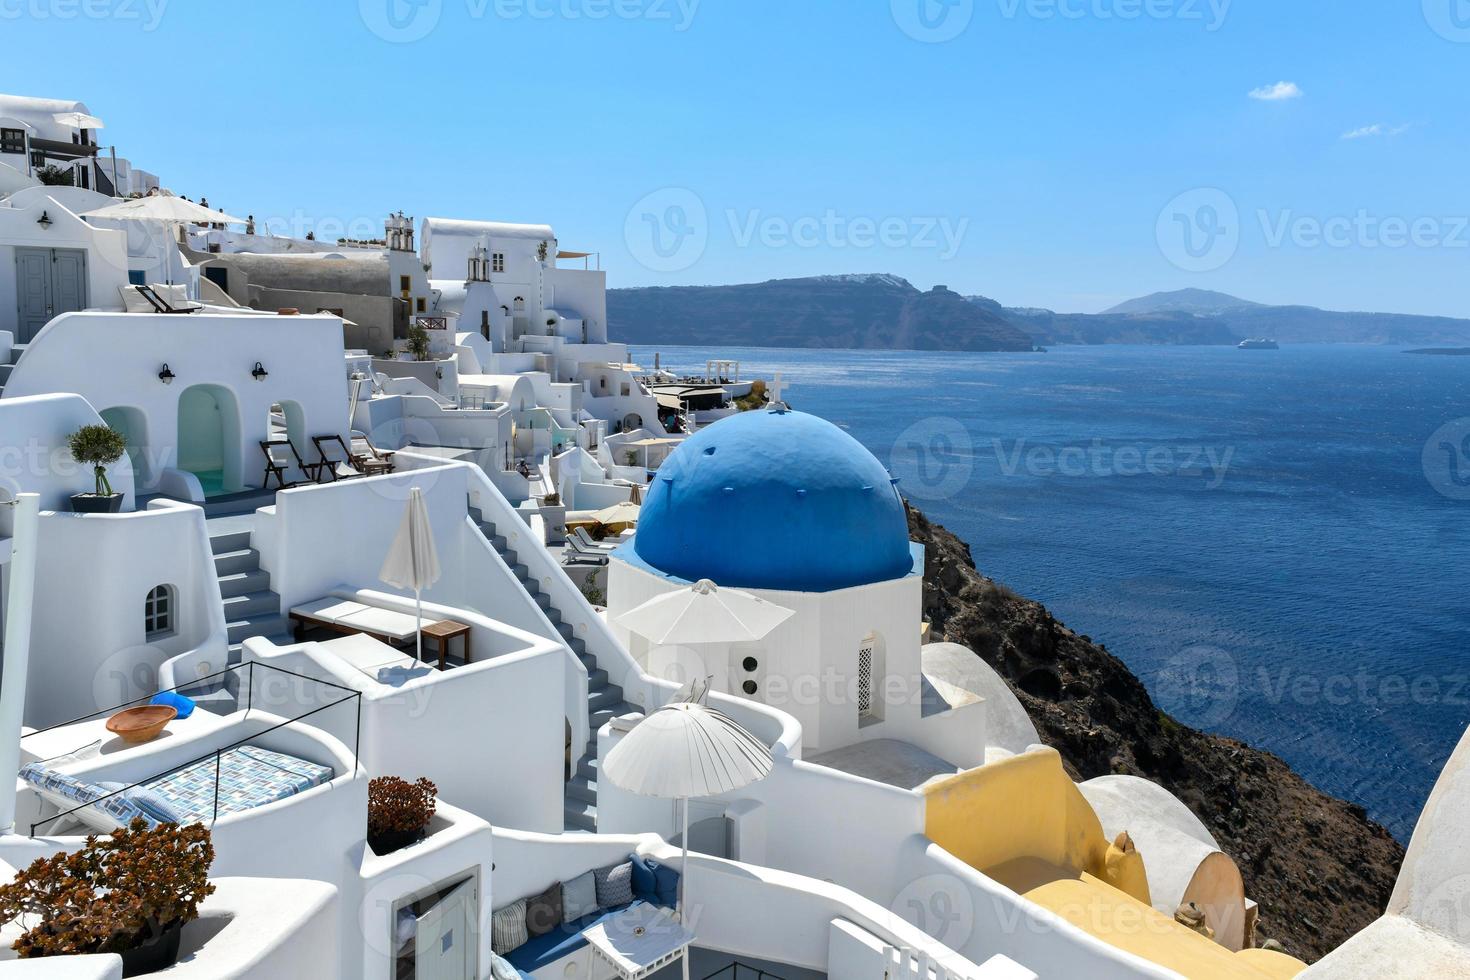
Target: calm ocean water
<point>1278,543</point>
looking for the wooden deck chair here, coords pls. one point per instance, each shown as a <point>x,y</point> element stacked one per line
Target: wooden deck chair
<point>277,465</point>
<point>336,461</point>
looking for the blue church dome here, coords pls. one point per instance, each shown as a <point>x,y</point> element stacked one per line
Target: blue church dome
<point>774,500</point>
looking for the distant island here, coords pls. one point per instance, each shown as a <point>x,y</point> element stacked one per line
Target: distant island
<point>886,312</point>
<point>1442,351</point>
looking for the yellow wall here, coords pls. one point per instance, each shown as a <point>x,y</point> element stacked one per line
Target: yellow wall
<point>1022,807</point>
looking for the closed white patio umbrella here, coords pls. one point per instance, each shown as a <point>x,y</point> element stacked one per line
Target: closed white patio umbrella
<point>413,561</point>
<point>704,613</point>
<point>683,751</point>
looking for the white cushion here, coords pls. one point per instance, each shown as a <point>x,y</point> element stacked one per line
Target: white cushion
<point>134,301</point>
<point>330,609</point>
<point>385,622</point>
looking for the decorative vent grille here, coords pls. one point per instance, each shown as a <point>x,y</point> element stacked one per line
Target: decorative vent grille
<point>865,681</point>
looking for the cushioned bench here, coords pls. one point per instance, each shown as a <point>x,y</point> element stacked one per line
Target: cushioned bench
<point>348,616</point>
<point>559,942</point>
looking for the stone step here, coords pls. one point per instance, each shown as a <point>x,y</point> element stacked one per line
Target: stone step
<point>229,541</point>
<point>266,625</point>
<point>244,583</point>
<point>582,789</point>
<point>587,768</point>
<point>251,604</point>
<point>596,719</point>
<point>596,679</point>
<point>237,650</point>
<point>240,560</point>
<point>580,815</point>
<point>607,697</point>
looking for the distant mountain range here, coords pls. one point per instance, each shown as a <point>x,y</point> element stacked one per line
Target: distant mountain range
<point>885,312</point>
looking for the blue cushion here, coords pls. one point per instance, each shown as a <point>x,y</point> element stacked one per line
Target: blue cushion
<point>667,883</point>
<point>184,706</point>
<point>562,941</point>
<point>645,882</point>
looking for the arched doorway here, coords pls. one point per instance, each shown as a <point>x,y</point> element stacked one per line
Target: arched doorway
<point>132,424</point>
<point>209,438</point>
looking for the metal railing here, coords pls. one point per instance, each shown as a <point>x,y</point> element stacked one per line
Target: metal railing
<point>741,971</point>
<point>219,753</point>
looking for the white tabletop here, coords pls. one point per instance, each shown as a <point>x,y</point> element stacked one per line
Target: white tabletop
<point>640,940</point>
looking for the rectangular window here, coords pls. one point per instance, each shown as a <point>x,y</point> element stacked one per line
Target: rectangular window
<point>423,305</point>
<point>38,159</point>
<point>405,284</point>
<point>158,613</point>
<point>497,262</point>
<point>137,277</point>
<point>866,707</point>
<point>12,141</point>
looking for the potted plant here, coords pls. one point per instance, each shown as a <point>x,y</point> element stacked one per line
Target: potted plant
<point>131,893</point>
<point>398,812</point>
<point>100,445</point>
<point>630,457</point>
<point>418,342</point>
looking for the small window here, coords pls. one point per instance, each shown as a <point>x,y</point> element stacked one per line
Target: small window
<point>869,674</point>
<point>520,305</point>
<point>38,159</point>
<point>497,262</point>
<point>158,612</point>
<point>750,688</point>
<point>423,305</point>
<point>405,284</point>
<point>750,664</point>
<point>12,141</point>
<point>137,277</point>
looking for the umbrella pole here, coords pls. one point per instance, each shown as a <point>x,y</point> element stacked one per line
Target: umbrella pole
<point>418,599</point>
<point>684,864</point>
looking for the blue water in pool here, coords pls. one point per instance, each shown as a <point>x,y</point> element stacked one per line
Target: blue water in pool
<point>1277,542</point>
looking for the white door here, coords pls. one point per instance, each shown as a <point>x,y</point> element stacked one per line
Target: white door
<point>447,948</point>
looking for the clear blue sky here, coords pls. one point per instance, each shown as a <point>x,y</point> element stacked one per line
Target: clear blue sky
<point>1048,136</point>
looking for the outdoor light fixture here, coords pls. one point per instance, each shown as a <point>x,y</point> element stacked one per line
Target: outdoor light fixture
<point>166,376</point>
<point>44,220</point>
<point>259,373</point>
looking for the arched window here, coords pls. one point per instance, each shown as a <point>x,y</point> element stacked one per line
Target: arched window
<point>520,305</point>
<point>159,612</point>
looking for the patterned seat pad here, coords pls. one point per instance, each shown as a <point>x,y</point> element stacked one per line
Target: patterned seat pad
<point>249,776</point>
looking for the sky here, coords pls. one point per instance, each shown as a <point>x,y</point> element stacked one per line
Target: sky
<point>1067,154</point>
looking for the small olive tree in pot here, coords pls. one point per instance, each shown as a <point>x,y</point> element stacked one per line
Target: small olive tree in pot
<point>101,446</point>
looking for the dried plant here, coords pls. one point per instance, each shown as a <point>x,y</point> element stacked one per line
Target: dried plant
<point>398,806</point>
<point>114,894</point>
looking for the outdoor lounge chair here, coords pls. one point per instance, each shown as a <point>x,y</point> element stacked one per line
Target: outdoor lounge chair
<point>580,551</point>
<point>336,461</point>
<point>369,458</point>
<point>276,466</point>
<point>585,539</point>
<point>157,299</point>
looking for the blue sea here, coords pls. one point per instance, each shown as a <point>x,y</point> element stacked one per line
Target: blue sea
<point>1277,542</point>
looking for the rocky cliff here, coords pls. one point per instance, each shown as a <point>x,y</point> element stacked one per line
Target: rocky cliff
<point>1320,869</point>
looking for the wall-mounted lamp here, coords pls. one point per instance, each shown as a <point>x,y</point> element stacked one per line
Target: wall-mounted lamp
<point>45,220</point>
<point>259,373</point>
<point>166,376</point>
<point>439,373</point>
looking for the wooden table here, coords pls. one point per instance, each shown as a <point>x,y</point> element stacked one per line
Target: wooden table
<point>640,941</point>
<point>444,631</point>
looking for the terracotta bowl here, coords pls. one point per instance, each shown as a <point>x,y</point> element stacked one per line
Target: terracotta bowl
<point>141,724</point>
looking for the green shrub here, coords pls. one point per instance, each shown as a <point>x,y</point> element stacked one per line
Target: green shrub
<point>101,446</point>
